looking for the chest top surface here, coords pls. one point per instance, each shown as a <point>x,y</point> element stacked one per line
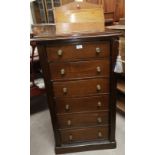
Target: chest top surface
<point>47,32</point>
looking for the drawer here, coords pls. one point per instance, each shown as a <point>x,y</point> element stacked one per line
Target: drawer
<point>78,51</point>
<point>73,70</point>
<point>85,134</point>
<point>69,105</point>
<point>81,87</point>
<point>83,119</point>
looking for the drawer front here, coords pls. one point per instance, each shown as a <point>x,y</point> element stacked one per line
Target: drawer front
<point>81,87</point>
<point>73,70</point>
<point>85,134</point>
<point>78,51</point>
<point>69,105</point>
<point>83,119</point>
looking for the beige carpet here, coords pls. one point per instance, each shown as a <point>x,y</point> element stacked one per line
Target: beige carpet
<point>42,137</point>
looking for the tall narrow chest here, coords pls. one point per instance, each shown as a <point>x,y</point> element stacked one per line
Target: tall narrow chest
<point>80,84</point>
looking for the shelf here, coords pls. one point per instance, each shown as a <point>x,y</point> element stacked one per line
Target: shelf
<point>121,86</point>
<point>120,106</point>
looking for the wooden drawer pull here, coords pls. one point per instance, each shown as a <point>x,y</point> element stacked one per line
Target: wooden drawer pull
<point>98,50</point>
<point>99,104</point>
<point>98,87</point>
<point>99,134</point>
<point>62,71</point>
<point>65,90</point>
<point>59,52</point>
<point>70,137</point>
<point>98,68</point>
<point>69,122</point>
<point>99,120</point>
<point>67,107</point>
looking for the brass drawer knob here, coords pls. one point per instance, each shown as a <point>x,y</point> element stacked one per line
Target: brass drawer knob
<point>69,122</point>
<point>99,134</point>
<point>99,120</point>
<point>62,71</point>
<point>65,90</point>
<point>98,68</point>
<point>70,137</point>
<point>98,50</point>
<point>99,104</point>
<point>59,52</point>
<point>98,87</point>
<point>67,107</point>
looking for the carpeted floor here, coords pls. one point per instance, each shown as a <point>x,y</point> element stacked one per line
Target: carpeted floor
<point>42,141</point>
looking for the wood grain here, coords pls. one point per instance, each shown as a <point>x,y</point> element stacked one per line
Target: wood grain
<point>85,134</point>
<point>82,104</point>
<point>81,87</point>
<point>79,69</point>
<point>79,17</point>
<point>83,119</point>
<point>73,6</point>
<point>76,28</point>
<point>70,51</point>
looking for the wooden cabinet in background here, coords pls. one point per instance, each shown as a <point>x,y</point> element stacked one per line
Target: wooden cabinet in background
<point>35,12</point>
<point>46,10</point>
<point>119,9</point>
<point>113,9</point>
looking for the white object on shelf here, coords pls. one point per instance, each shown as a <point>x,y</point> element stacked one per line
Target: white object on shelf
<point>40,83</point>
<point>119,66</point>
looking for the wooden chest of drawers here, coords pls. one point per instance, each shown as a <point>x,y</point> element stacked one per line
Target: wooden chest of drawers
<point>80,84</point>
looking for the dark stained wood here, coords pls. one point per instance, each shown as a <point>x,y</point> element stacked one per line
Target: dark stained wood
<point>51,102</point>
<point>79,69</point>
<point>84,134</point>
<point>45,33</point>
<point>85,146</point>
<point>112,105</point>
<point>109,18</point>
<point>82,104</point>
<point>82,95</point>
<point>81,87</point>
<point>70,52</point>
<point>83,119</point>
